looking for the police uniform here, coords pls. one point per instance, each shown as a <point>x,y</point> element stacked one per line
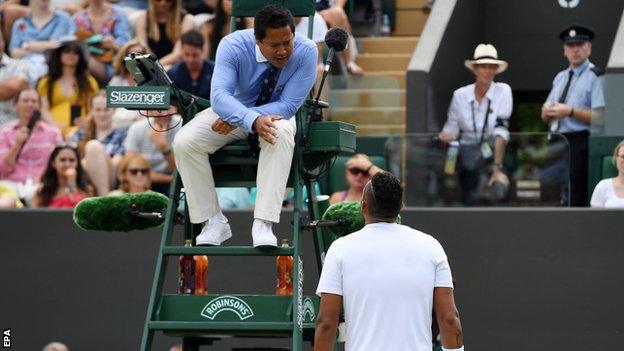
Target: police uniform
<point>573,87</point>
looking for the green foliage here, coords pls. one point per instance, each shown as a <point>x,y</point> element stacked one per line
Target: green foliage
<point>114,213</point>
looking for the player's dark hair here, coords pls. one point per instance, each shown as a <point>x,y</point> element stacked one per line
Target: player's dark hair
<point>387,195</point>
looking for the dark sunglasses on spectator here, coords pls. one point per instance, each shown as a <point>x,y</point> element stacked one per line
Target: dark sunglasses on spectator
<point>355,171</point>
<point>73,49</point>
<point>135,171</point>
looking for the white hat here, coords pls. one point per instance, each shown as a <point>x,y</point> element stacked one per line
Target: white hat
<point>486,54</point>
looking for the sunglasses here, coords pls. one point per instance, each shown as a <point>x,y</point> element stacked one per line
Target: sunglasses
<point>135,171</point>
<point>355,171</point>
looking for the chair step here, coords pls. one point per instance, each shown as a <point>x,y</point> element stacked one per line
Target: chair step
<point>228,251</point>
<point>180,326</point>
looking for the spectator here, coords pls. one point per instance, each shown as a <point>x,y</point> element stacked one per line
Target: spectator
<point>480,112</point>
<point>100,145</point>
<point>63,183</point>
<point>219,26</point>
<point>66,90</point>
<point>124,117</point>
<point>334,14</point>
<point>152,138</point>
<point>359,170</point>
<point>109,21</point>
<point>567,110</point>
<point>133,175</point>
<point>161,27</point>
<point>55,346</point>
<point>609,193</point>
<point>13,78</point>
<point>194,73</point>
<point>8,197</point>
<point>10,11</point>
<point>24,152</point>
<point>39,31</point>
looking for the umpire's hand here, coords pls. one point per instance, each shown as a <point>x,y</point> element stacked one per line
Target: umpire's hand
<point>266,129</point>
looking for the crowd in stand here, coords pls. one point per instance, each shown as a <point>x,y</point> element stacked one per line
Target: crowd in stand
<point>59,142</point>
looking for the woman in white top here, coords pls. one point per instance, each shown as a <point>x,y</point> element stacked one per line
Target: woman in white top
<point>609,193</point>
<point>479,114</point>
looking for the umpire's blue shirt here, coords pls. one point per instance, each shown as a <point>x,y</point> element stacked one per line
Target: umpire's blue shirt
<point>239,70</point>
<point>579,94</point>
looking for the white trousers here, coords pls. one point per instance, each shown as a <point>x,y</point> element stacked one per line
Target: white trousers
<point>196,141</point>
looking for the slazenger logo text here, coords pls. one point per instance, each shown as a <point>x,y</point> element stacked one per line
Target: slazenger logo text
<point>227,303</point>
<point>137,97</point>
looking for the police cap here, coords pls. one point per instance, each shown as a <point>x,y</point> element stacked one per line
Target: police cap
<point>576,34</point>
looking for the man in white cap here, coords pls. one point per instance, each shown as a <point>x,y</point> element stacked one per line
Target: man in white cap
<point>567,110</point>
<point>479,114</point>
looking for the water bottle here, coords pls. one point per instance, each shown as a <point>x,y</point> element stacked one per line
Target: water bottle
<point>451,157</point>
<point>384,29</point>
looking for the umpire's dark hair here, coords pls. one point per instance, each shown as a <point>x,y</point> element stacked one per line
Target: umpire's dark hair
<point>274,17</point>
<point>387,195</point>
<point>193,38</point>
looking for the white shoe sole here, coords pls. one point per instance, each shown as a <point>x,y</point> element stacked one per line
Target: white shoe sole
<point>266,243</point>
<point>200,242</point>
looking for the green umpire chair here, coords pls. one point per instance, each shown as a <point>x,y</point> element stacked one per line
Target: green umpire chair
<point>203,320</point>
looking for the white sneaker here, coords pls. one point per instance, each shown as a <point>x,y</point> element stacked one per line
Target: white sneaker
<point>262,234</point>
<point>216,231</point>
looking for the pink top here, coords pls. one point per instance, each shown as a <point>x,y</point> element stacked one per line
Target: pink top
<point>66,201</point>
<point>33,159</point>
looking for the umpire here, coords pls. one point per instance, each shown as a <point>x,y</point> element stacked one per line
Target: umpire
<point>568,107</point>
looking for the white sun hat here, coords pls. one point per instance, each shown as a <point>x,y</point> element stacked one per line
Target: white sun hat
<point>486,54</point>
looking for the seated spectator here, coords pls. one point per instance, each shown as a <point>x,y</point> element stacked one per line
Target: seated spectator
<point>334,14</point>
<point>8,197</point>
<point>133,175</point>
<point>233,197</point>
<point>109,21</point>
<point>609,193</point>
<point>39,31</point>
<point>194,73</point>
<point>359,170</point>
<point>66,89</point>
<point>13,78</point>
<point>10,11</point>
<point>219,26</point>
<point>24,152</point>
<point>63,183</point>
<point>161,26</point>
<point>152,138</point>
<point>55,346</point>
<point>122,78</point>
<point>100,145</point>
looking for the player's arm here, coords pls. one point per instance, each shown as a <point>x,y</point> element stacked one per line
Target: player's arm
<point>448,319</point>
<point>327,322</point>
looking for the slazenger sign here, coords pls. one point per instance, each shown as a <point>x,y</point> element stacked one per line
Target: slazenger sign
<point>227,303</point>
<point>138,97</point>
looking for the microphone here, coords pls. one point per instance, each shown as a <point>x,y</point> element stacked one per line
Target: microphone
<point>36,116</point>
<point>336,40</point>
<point>121,213</point>
<point>346,218</point>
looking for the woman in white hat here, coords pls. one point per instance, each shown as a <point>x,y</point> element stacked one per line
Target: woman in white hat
<point>479,116</point>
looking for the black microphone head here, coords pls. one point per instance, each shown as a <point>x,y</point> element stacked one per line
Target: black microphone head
<point>337,39</point>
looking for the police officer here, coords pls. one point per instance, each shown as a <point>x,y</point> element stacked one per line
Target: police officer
<point>567,109</point>
<point>479,115</point>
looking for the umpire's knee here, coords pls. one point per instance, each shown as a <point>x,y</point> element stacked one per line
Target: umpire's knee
<point>285,132</point>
